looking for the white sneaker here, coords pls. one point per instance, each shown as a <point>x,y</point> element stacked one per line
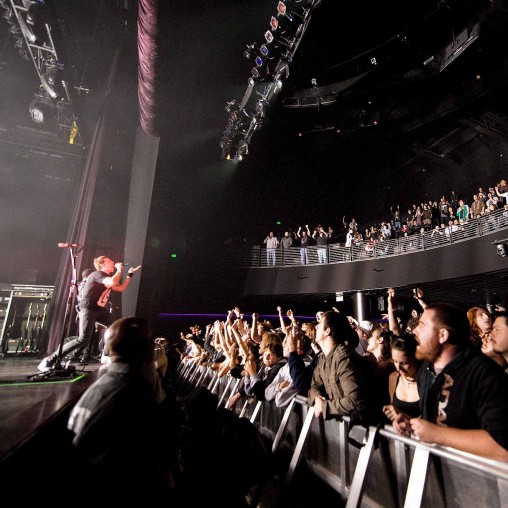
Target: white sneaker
<point>45,365</point>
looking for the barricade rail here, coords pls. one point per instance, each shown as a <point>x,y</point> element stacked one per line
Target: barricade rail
<point>369,467</point>
<point>256,256</point>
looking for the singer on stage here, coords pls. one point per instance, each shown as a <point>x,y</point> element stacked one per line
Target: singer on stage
<point>96,291</point>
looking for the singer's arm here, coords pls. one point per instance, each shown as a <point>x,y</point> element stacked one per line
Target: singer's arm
<point>123,286</point>
<point>114,279</point>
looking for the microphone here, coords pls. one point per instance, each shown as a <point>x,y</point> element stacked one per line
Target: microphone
<point>65,244</point>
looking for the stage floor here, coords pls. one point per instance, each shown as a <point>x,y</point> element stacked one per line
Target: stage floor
<point>28,403</point>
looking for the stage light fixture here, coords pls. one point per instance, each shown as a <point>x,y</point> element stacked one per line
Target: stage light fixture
<point>49,79</point>
<point>264,49</point>
<point>39,13</point>
<point>269,36</point>
<point>27,30</point>
<point>232,106</point>
<point>281,8</point>
<point>274,23</point>
<point>7,14</point>
<point>502,249</point>
<point>261,108</point>
<point>15,30</point>
<point>251,48</point>
<point>41,109</point>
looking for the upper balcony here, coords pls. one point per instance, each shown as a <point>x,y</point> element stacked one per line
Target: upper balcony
<point>468,254</point>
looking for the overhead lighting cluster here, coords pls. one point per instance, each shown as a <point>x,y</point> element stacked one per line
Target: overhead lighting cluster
<point>32,23</point>
<point>270,59</point>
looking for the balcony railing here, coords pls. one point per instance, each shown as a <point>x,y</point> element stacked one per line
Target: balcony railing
<point>256,256</point>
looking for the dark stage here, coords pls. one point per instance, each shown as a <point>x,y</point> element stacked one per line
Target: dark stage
<point>35,446</point>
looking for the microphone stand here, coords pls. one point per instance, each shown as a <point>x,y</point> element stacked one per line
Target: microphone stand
<point>66,371</point>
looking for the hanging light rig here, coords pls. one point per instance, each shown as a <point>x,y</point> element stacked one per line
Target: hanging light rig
<point>271,61</point>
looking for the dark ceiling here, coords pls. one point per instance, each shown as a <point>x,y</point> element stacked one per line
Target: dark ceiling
<point>389,120</point>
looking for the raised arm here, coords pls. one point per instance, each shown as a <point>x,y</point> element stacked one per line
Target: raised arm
<point>419,294</point>
<point>254,335</point>
<point>239,340</point>
<point>281,319</point>
<point>115,279</point>
<point>392,319</point>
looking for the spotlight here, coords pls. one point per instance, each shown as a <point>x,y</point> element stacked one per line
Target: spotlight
<point>502,249</point>
<point>282,10</point>
<point>15,30</point>
<point>232,106</point>
<point>49,78</point>
<point>251,48</point>
<point>261,108</point>
<point>243,149</point>
<point>41,109</point>
<point>255,72</point>
<point>40,14</point>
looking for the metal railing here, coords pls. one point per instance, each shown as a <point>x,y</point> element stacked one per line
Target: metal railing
<point>371,466</point>
<point>339,253</point>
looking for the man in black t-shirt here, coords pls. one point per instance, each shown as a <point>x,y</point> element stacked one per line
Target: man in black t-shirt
<point>462,392</point>
<point>95,296</point>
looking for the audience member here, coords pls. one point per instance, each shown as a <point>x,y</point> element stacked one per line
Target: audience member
<point>321,238</point>
<point>364,330</point>
<point>286,240</point>
<point>282,389</point>
<point>339,382</point>
<point>304,236</point>
<point>271,243</point>
<point>402,387</point>
<point>213,441</point>
<point>499,337</point>
<point>255,378</point>
<point>119,427</point>
<point>462,393</point>
<point>379,349</point>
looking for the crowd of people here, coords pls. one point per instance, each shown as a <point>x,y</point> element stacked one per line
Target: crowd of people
<point>435,217</point>
<point>440,377</point>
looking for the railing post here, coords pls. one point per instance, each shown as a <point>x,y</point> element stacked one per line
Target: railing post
<point>417,478</point>
<point>356,490</point>
<point>299,446</point>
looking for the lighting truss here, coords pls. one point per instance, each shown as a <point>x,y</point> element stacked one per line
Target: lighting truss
<point>31,23</point>
<point>271,59</point>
